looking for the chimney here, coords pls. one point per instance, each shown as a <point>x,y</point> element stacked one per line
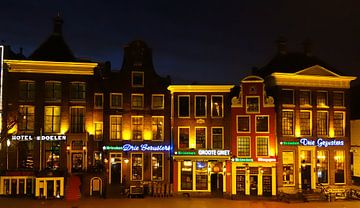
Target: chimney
<point>307,44</point>
<point>281,44</point>
<point>58,22</point>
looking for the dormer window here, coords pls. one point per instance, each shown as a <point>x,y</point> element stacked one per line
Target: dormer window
<point>137,79</point>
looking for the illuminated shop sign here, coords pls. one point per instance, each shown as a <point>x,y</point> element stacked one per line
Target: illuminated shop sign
<point>266,159</point>
<point>142,147</point>
<point>242,160</point>
<point>321,142</point>
<point>38,138</point>
<point>214,152</point>
<point>184,153</point>
<point>290,143</point>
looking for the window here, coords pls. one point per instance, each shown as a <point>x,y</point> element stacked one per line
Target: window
<point>287,96</point>
<point>322,166</point>
<point>116,100</point>
<point>52,91</point>
<point>137,101</point>
<point>26,118</point>
<point>252,105</point>
<point>338,99</point>
<point>115,127</point>
<point>27,90</point>
<point>287,122</point>
<point>200,106</point>
<point>77,91</point>
<point>137,167</point>
<point>217,137</point>
<point>217,106</point>
<point>186,175</point>
<point>184,106</point>
<point>339,123</point>
<point>262,146</point>
<point>98,159</point>
<point>158,128</point>
<point>137,79</point>
<point>339,166</point>
<point>77,119</point>
<point>200,135</point>
<point>305,97</point>
<point>201,173</point>
<point>305,122</point>
<point>157,164</point>
<point>184,133</point>
<point>98,131</point>
<point>288,168</point>
<point>157,102</point>
<point>321,99</point>
<point>262,123</point>
<point>137,123</point>
<point>243,123</point>
<point>243,146</point>
<point>26,159</point>
<point>52,119</point>
<point>98,100</point>
<point>322,123</point>
<point>52,155</point>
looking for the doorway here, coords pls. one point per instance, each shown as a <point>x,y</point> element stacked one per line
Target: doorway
<point>77,162</point>
<point>115,168</point>
<point>253,185</point>
<point>216,184</point>
<point>306,177</point>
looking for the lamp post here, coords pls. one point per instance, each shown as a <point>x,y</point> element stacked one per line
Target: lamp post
<point>8,143</point>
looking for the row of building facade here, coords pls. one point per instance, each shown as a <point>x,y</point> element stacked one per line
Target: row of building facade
<point>285,128</point>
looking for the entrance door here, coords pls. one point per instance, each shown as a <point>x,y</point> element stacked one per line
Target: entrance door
<point>50,189</point>
<point>77,162</point>
<point>253,185</point>
<point>306,177</point>
<point>216,184</point>
<point>240,184</point>
<point>115,169</point>
<point>267,186</point>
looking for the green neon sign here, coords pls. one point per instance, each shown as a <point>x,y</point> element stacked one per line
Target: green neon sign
<point>184,153</point>
<point>112,148</point>
<point>243,160</point>
<point>289,143</point>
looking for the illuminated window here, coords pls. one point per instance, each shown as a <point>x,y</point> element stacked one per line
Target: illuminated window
<point>322,166</point>
<point>27,90</point>
<point>252,105</point>
<point>52,119</point>
<point>137,166</point>
<point>321,99</point>
<point>115,127</point>
<point>157,165</point>
<point>158,127</point>
<point>52,155</point>
<point>200,134</point>
<point>288,168</point>
<point>217,137</point>
<point>217,106</point>
<point>52,91</point>
<point>137,125</point>
<point>26,159</point>
<point>305,122</point>
<point>186,175</point>
<point>305,97</point>
<point>338,99</point>
<point>243,146</point>
<point>262,123</point>
<point>98,100</point>
<point>287,96</point>
<point>137,101</point>
<point>322,123</point>
<point>339,159</point>
<point>98,159</point>
<point>200,106</point>
<point>26,118</point>
<point>137,79</point>
<point>157,102</point>
<point>184,137</point>
<point>116,100</point>
<point>77,90</point>
<point>184,106</point>
<point>262,146</point>
<point>201,173</point>
<point>287,122</point>
<point>98,131</point>
<point>77,119</point>
<point>339,123</point>
<point>243,123</point>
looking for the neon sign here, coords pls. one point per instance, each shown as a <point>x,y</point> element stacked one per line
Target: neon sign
<point>142,147</point>
<point>112,148</point>
<point>38,138</point>
<point>184,153</point>
<point>321,142</point>
<point>290,143</point>
<point>267,159</point>
<point>242,160</point>
<point>214,152</point>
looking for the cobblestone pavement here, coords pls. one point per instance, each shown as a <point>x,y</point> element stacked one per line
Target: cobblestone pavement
<point>168,203</point>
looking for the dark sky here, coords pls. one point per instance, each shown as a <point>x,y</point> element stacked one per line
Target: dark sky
<point>205,41</point>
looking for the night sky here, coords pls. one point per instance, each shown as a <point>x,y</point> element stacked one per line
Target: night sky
<point>205,41</point>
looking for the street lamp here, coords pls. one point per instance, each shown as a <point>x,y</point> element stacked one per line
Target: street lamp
<point>8,143</point>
